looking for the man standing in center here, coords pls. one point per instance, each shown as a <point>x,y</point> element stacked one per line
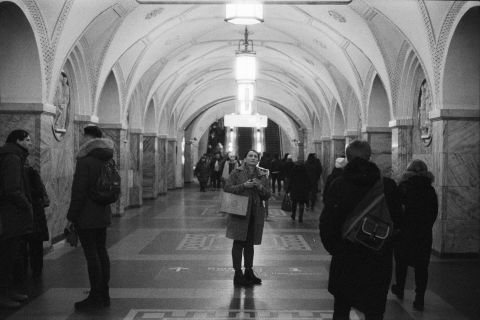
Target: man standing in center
<point>90,218</point>
<point>358,276</point>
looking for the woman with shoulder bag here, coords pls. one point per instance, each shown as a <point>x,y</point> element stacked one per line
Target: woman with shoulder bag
<point>247,231</point>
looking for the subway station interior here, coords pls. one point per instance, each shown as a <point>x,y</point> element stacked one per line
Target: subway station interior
<point>161,79</point>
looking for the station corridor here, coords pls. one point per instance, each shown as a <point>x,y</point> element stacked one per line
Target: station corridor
<point>171,260</point>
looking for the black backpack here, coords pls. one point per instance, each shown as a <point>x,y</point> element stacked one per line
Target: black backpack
<point>108,185</point>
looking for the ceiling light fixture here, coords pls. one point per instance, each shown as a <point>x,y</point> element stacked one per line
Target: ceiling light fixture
<point>245,60</point>
<point>243,13</point>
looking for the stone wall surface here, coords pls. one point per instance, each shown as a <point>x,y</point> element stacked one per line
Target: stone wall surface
<point>135,175</point>
<point>150,167</point>
<point>162,159</point>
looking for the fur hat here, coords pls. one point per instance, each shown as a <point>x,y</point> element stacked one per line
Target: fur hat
<point>340,163</point>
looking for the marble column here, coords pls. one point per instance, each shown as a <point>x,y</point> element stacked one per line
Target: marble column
<point>338,148</point>
<point>171,162</point>
<point>301,151</point>
<point>118,134</point>
<point>401,146</point>
<point>150,166</point>
<point>189,162</point>
<point>326,151</point>
<point>162,167</point>
<point>135,169</point>
<point>380,140</point>
<point>351,135</point>
<point>456,166</point>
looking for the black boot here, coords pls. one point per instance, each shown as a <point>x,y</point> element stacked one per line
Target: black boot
<point>251,277</point>
<point>239,280</point>
<point>91,303</point>
<point>419,302</point>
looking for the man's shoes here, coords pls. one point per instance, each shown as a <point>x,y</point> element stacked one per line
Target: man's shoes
<point>251,277</point>
<point>397,292</point>
<point>91,303</point>
<point>18,297</point>
<point>239,280</point>
<point>7,303</point>
<point>419,303</point>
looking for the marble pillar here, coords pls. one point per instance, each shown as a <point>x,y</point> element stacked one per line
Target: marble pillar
<point>456,166</point>
<point>401,146</point>
<point>162,167</point>
<point>118,134</point>
<point>171,162</point>
<point>317,148</point>
<point>189,162</point>
<point>380,140</point>
<point>135,169</point>
<point>150,166</point>
<point>301,151</point>
<point>326,151</point>
<point>338,148</point>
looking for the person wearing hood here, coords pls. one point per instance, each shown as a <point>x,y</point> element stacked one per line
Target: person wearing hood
<point>16,213</point>
<point>358,277</point>
<point>340,163</point>
<point>90,218</point>
<point>414,243</point>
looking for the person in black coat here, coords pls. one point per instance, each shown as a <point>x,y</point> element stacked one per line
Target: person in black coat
<point>298,188</point>
<point>275,166</point>
<point>35,239</point>
<point>90,218</point>
<point>414,242</point>
<point>340,163</point>
<point>314,170</point>
<point>16,216</point>
<point>358,277</point>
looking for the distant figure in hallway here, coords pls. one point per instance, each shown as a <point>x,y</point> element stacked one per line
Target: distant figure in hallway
<point>275,166</point>
<point>91,218</point>
<point>216,170</point>
<point>314,171</point>
<point>229,165</point>
<point>298,189</point>
<point>359,277</point>
<point>16,215</point>
<point>202,172</point>
<point>340,163</point>
<point>286,169</point>
<point>246,232</point>
<point>414,243</point>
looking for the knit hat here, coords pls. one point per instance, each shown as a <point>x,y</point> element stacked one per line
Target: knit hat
<point>92,130</point>
<point>340,163</point>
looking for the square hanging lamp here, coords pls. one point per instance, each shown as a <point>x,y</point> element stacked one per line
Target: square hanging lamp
<point>244,13</point>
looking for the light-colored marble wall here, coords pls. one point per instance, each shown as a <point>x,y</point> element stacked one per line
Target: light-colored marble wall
<point>135,170</point>
<point>456,166</point>
<point>326,158</point>
<point>162,156</point>
<point>188,168</point>
<point>150,167</point>
<point>401,150</point>
<point>119,138</point>
<point>171,163</point>
<point>381,144</point>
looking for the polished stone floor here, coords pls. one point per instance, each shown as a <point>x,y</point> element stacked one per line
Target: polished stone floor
<point>171,260</point>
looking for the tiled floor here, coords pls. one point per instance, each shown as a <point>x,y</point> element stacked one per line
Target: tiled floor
<point>171,260</point>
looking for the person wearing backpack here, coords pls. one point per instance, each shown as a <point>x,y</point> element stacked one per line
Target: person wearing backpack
<point>359,276</point>
<point>414,243</point>
<point>90,217</point>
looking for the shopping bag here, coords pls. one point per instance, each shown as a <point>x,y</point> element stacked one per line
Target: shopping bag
<point>234,204</point>
<point>286,203</point>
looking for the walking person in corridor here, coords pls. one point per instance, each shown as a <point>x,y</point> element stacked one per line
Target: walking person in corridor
<point>247,180</point>
<point>414,243</point>
<point>358,277</point>
<point>91,218</point>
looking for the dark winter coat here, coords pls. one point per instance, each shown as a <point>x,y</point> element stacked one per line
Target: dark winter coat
<point>414,243</point>
<point>336,172</point>
<point>237,226</point>
<point>15,200</point>
<point>314,171</point>
<point>286,169</point>
<point>356,273</point>
<point>202,171</point>
<point>83,211</point>
<point>299,185</point>
<point>40,200</point>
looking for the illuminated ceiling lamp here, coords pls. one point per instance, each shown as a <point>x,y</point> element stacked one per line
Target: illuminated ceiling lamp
<point>245,60</point>
<point>244,13</point>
